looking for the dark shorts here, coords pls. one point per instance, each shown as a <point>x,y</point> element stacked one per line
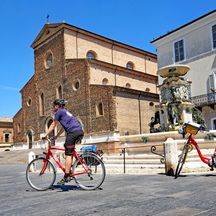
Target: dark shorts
<point>71,140</point>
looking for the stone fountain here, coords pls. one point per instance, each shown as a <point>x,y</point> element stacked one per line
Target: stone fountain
<point>175,104</point>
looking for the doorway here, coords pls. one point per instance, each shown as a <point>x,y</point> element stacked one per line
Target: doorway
<point>30,139</point>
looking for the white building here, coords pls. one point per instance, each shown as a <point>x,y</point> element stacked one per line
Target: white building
<point>194,44</point>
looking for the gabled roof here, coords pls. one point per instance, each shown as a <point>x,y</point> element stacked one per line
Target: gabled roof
<point>50,30</point>
<point>46,32</point>
<point>181,27</point>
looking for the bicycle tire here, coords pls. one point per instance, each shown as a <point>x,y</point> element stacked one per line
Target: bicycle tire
<point>181,161</point>
<point>40,174</point>
<point>94,179</point>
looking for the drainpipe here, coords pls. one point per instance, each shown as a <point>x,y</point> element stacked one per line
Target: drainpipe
<point>145,64</point>
<point>77,44</point>
<point>112,52</point>
<point>115,75</point>
<point>140,120</point>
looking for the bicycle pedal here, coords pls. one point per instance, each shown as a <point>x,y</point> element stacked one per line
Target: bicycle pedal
<point>70,179</point>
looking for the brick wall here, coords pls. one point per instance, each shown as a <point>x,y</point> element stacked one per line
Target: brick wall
<point>18,127</point>
<point>134,110</point>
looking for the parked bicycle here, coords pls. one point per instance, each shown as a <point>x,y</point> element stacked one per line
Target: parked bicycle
<point>88,170</point>
<point>192,129</point>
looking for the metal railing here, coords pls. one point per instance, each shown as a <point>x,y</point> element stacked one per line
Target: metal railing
<point>205,99</point>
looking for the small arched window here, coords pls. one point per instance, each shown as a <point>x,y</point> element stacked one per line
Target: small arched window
<point>105,81</point>
<point>130,65</point>
<point>91,55</point>
<point>128,85</point>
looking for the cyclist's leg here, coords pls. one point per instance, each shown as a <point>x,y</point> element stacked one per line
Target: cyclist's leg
<point>69,149</point>
<point>70,142</point>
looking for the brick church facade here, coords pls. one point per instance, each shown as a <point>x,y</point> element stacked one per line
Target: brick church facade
<point>109,86</point>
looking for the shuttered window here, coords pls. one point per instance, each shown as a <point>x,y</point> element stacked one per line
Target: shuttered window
<point>214,36</point>
<point>179,50</point>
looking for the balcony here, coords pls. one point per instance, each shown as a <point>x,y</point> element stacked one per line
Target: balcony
<point>204,100</point>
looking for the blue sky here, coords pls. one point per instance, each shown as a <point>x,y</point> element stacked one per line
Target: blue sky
<point>134,22</point>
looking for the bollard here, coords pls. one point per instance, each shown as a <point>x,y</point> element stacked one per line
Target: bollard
<point>171,156</point>
<point>31,156</point>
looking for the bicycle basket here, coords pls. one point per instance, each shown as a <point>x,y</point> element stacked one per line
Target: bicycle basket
<point>192,128</point>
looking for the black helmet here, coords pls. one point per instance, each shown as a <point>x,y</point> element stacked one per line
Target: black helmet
<point>60,102</point>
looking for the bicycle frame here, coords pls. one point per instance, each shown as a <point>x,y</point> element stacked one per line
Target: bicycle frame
<point>204,159</point>
<point>49,155</point>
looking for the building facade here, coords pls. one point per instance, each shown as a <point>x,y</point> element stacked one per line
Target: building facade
<point>109,86</point>
<point>6,132</point>
<point>194,44</point>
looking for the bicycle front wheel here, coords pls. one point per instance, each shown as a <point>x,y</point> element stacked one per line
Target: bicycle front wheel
<point>181,161</point>
<point>95,176</point>
<point>40,174</point>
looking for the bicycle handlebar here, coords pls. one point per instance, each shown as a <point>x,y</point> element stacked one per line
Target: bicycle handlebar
<point>50,140</point>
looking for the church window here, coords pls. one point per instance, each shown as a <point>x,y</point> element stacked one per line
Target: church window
<point>128,85</point>
<point>49,60</point>
<point>76,85</point>
<point>41,104</point>
<point>105,81</point>
<point>91,55</point>
<point>130,65</point>
<point>59,92</point>
<point>99,109</point>
<point>29,102</point>
<point>18,128</point>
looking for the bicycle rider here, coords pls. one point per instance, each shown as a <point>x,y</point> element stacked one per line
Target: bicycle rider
<point>73,130</point>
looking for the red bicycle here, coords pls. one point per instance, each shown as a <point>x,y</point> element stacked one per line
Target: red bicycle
<point>192,129</point>
<point>88,170</point>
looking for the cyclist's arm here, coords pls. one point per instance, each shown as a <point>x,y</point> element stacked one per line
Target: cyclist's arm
<point>51,127</point>
<point>60,132</point>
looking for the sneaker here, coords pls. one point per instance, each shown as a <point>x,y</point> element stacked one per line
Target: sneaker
<point>63,181</point>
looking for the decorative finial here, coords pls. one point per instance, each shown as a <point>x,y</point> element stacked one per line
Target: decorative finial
<point>47,17</point>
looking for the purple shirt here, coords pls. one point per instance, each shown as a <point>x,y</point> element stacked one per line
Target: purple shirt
<point>67,120</point>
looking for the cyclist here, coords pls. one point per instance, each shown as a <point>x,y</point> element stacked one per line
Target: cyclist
<point>73,130</point>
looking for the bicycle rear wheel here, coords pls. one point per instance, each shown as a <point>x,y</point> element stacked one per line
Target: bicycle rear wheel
<point>96,172</point>
<point>181,161</point>
<point>40,174</point>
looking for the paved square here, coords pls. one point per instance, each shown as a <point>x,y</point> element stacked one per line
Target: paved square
<point>142,195</point>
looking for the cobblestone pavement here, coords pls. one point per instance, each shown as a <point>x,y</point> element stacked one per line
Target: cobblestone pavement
<point>142,195</point>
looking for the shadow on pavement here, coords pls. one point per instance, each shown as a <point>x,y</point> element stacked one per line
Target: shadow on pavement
<point>65,187</point>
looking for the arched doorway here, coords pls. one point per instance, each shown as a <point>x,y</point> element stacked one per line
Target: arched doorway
<point>213,124</point>
<point>29,139</point>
